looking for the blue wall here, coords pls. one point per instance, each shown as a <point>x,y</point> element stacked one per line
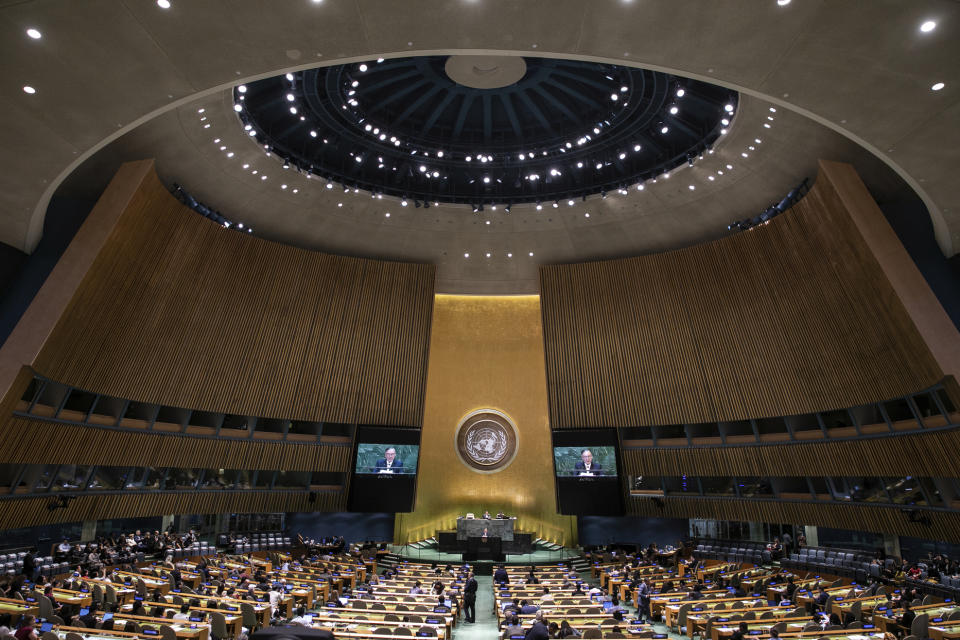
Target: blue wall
<point>597,530</point>
<point>354,527</point>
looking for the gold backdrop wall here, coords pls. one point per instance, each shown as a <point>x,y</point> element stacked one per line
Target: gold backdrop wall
<point>486,352</point>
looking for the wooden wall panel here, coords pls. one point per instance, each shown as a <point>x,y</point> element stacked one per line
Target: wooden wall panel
<point>919,454</point>
<point>791,317</point>
<point>943,525</point>
<point>179,311</point>
<point>40,442</point>
<point>27,512</point>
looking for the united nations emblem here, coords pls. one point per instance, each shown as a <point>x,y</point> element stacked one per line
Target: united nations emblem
<point>486,441</point>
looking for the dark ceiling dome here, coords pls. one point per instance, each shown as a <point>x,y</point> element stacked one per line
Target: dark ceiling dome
<point>563,129</point>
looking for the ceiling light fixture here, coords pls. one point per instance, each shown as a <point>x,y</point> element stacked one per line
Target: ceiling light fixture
<point>29,89</point>
<point>928,26</point>
<point>937,86</point>
<point>163,4</point>
<point>34,33</point>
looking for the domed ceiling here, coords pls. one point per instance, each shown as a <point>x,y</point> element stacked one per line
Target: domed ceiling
<point>279,158</point>
<point>484,130</point>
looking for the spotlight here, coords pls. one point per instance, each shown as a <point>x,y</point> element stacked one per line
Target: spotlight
<point>507,208</point>
<point>556,203</point>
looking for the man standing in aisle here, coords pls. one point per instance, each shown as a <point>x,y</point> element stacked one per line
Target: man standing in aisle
<point>470,599</point>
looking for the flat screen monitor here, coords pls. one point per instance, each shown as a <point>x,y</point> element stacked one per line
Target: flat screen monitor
<point>387,458</point>
<point>586,463</point>
<point>384,476</point>
<point>580,461</point>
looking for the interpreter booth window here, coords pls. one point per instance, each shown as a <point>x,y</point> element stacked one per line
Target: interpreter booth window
<point>681,486</point>
<point>718,486</point>
<point>641,486</point>
<point>70,477</point>
<point>108,478</point>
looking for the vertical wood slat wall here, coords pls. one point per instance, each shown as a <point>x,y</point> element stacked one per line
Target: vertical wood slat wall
<point>792,317</point>
<point>39,442</point>
<point>942,525</point>
<point>920,454</point>
<point>180,311</point>
<point>29,512</point>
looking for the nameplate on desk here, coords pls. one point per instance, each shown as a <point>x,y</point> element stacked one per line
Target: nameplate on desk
<point>151,632</point>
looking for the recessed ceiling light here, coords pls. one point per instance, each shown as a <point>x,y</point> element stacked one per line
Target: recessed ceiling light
<point>466,255</point>
<point>242,88</point>
<point>783,3</point>
<point>34,33</point>
<point>928,26</point>
<point>29,89</point>
<point>773,109</point>
<point>691,187</point>
<point>586,215</point>
<point>163,4</point>
<point>362,68</point>
<point>509,255</point>
<point>664,129</point>
<point>728,108</point>
<point>674,110</point>
<point>937,86</point>
<point>387,214</point>
<point>531,254</point>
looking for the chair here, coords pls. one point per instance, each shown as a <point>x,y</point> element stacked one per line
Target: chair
<point>750,615</point>
<point>779,627</point>
<point>383,631</point>
<point>218,626</point>
<point>249,616</point>
<point>427,631</point>
<point>856,610</point>
<point>589,634</point>
<point>55,619</point>
<point>919,626</point>
<point>766,615</point>
<point>613,634</point>
<point>358,604</point>
<point>403,631</point>
<point>49,635</point>
<point>167,632</point>
<point>414,618</point>
<point>928,599</point>
<point>401,607</point>
<point>682,617</point>
<point>609,622</point>
<point>376,606</point>
<point>391,617</point>
<point>954,615</point>
<point>856,624</point>
<point>592,611</point>
<point>72,635</point>
<point>110,595</point>
<point>132,627</point>
<point>811,626</point>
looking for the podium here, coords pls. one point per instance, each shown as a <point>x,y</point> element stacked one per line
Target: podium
<point>489,548</point>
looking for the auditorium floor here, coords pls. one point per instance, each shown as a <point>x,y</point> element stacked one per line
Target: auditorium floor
<point>485,627</point>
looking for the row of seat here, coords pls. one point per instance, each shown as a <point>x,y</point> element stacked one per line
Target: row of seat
<point>733,551</point>
<point>262,544</point>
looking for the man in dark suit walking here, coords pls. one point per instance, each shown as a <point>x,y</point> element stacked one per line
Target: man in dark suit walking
<point>470,599</point>
<point>587,465</point>
<point>500,576</point>
<point>390,461</point>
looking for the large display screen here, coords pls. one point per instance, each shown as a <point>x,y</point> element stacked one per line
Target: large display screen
<point>385,473</point>
<point>387,458</point>
<point>588,482</point>
<point>585,461</point>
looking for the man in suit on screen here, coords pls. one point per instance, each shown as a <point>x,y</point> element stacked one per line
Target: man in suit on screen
<point>586,465</point>
<point>390,462</point>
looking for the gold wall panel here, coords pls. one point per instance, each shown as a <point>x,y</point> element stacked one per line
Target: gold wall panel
<point>486,352</point>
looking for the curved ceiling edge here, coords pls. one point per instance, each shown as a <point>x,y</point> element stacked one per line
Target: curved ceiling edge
<point>941,227</point>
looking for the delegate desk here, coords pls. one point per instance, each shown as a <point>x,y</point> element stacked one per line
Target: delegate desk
<point>885,617</point>
<point>944,630</point>
<point>18,608</point>
<point>495,528</point>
